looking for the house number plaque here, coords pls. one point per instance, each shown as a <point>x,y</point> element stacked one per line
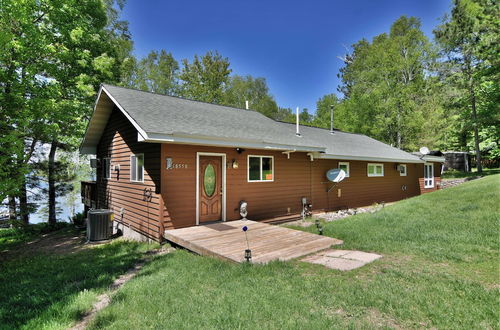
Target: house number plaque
<point>172,166</point>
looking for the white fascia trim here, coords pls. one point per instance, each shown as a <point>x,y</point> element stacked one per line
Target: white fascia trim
<point>370,159</point>
<point>434,158</point>
<point>125,113</point>
<point>234,143</point>
<point>86,150</point>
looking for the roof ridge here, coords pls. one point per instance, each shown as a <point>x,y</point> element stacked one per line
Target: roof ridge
<point>185,99</point>
<point>322,128</point>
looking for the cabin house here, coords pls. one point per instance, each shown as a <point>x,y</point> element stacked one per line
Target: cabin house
<point>165,162</point>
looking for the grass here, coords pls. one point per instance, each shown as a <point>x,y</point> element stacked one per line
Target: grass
<point>51,290</point>
<point>440,269</point>
<point>453,174</point>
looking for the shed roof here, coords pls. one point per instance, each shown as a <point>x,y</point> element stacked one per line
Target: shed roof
<point>162,118</point>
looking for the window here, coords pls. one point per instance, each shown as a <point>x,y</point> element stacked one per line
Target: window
<point>402,169</point>
<point>137,168</point>
<point>375,169</point>
<point>260,168</point>
<point>428,175</point>
<point>344,166</point>
<point>106,168</point>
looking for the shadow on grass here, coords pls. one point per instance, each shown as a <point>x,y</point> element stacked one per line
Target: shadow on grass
<point>43,290</point>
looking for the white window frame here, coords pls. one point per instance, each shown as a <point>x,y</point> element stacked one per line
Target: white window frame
<point>374,174</point>
<point>248,167</point>
<point>131,170</point>
<point>429,181</point>
<point>106,164</point>
<point>405,173</point>
<point>347,173</point>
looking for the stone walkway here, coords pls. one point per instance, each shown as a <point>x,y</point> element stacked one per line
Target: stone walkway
<point>342,259</point>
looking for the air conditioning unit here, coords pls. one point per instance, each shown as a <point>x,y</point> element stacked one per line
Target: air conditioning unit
<point>99,225</point>
<point>94,162</point>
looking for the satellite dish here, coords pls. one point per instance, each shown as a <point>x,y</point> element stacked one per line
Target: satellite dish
<point>424,150</point>
<point>335,175</point>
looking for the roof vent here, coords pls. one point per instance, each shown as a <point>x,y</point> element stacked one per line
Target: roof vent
<point>331,119</point>
<point>298,129</point>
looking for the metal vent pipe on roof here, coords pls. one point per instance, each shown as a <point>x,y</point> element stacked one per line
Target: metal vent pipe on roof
<point>331,119</point>
<point>246,104</point>
<point>297,115</point>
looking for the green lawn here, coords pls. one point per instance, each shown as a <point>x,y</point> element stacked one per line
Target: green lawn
<point>50,287</point>
<point>440,269</point>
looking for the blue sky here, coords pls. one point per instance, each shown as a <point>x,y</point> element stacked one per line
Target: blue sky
<point>293,44</point>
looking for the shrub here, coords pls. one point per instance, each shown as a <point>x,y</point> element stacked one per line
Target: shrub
<point>79,219</point>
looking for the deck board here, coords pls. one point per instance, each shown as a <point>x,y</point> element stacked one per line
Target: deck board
<point>267,242</point>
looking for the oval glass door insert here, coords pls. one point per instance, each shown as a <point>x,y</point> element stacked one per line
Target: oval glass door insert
<point>209,180</point>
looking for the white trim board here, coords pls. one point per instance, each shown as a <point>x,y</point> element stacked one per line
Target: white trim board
<point>198,154</point>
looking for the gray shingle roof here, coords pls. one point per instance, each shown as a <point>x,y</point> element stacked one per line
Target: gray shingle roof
<point>159,115</point>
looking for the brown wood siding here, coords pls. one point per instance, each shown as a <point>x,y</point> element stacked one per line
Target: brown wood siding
<point>119,142</point>
<point>293,178</point>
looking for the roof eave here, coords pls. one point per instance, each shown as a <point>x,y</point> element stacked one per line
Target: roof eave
<point>434,159</point>
<point>371,159</point>
<point>90,148</point>
<point>222,142</point>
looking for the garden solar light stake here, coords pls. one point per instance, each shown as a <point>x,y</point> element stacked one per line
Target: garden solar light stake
<point>248,252</point>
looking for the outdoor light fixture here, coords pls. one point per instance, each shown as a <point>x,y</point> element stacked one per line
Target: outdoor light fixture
<point>248,255</point>
<point>235,164</point>
<point>243,210</point>
<point>248,252</point>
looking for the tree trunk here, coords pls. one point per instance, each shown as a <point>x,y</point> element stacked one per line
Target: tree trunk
<point>398,133</point>
<point>476,135</point>
<point>474,119</point>
<point>12,208</point>
<point>52,184</point>
<point>23,204</point>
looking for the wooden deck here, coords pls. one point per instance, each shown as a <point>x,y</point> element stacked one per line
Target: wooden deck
<point>226,240</point>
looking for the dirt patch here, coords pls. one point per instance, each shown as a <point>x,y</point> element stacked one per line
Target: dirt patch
<point>378,319</point>
<point>64,241</point>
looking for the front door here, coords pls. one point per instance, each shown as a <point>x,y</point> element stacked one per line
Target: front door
<point>210,188</point>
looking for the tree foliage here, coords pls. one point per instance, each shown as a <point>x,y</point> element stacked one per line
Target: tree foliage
<point>53,56</point>
<point>205,78</point>
<point>240,89</point>
<point>386,85</point>
<point>158,72</point>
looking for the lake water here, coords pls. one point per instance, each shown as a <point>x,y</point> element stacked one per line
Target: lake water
<point>62,203</point>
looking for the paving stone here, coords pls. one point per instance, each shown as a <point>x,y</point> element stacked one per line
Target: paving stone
<point>362,256</point>
<point>337,253</point>
<point>338,263</point>
<point>342,259</point>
